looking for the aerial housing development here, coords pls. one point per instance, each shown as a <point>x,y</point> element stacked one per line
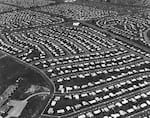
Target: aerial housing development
<point>74,59</point>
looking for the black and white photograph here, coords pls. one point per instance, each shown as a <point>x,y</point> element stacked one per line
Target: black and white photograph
<point>74,58</point>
